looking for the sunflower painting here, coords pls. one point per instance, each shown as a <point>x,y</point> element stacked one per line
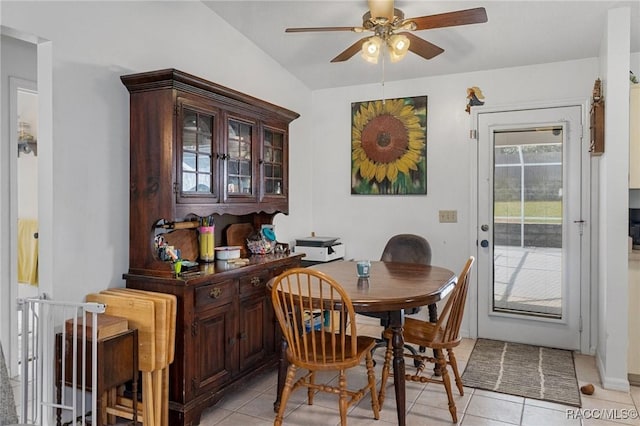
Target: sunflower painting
<point>388,146</point>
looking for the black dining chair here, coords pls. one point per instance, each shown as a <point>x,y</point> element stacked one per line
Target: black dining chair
<point>406,248</point>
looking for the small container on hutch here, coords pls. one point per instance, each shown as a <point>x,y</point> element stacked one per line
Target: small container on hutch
<point>207,243</point>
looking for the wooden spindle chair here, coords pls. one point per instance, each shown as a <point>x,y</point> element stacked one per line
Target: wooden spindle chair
<point>309,306</point>
<point>442,335</point>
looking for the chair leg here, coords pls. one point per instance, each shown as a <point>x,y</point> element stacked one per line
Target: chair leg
<point>454,366</point>
<point>442,363</point>
<point>286,392</point>
<point>433,317</point>
<point>385,374</point>
<point>343,401</point>
<point>310,391</point>
<point>381,343</point>
<point>371,376</point>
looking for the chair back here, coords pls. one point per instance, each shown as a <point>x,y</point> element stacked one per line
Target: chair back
<point>316,317</point>
<point>407,248</point>
<point>451,316</point>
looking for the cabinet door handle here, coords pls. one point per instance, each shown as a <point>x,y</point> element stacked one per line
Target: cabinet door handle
<point>215,293</point>
<point>255,281</point>
<point>232,341</point>
<point>243,336</point>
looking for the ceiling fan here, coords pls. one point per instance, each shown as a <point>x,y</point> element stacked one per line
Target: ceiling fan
<point>391,30</point>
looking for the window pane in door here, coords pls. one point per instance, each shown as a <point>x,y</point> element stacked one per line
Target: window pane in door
<point>205,144</point>
<point>197,152</point>
<point>527,219</point>
<point>239,162</point>
<point>204,164</point>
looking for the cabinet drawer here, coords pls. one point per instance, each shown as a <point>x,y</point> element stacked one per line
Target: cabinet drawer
<point>215,294</point>
<point>254,283</point>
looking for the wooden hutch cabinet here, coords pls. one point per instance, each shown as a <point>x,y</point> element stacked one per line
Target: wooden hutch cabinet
<point>198,149</point>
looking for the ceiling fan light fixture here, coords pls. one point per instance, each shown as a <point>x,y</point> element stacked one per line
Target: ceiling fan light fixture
<point>398,47</point>
<point>371,49</point>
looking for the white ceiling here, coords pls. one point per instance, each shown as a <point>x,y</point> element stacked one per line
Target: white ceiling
<point>517,33</point>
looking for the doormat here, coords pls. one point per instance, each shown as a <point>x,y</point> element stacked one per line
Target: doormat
<point>523,370</point>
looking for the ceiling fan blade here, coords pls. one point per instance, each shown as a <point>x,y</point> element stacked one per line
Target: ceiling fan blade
<point>422,47</point>
<point>451,19</point>
<point>350,51</point>
<point>311,29</point>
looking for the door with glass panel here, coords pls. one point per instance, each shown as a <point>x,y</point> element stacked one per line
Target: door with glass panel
<point>530,226</point>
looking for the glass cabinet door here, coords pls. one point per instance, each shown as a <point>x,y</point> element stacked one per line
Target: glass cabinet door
<point>239,159</point>
<point>197,168</point>
<point>273,162</point>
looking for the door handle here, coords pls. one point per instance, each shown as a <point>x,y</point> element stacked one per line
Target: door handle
<point>484,243</point>
<point>485,227</point>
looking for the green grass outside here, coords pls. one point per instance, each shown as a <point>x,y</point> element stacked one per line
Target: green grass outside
<point>534,211</point>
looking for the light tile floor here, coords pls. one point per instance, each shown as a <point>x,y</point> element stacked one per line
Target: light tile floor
<point>252,404</point>
<point>427,404</point>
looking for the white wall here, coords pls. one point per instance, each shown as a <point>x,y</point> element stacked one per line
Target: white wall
<point>613,186</point>
<point>93,44</point>
<point>364,223</point>
<point>634,194</point>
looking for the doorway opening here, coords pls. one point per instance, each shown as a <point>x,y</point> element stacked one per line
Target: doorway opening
<point>27,126</point>
<point>533,284</point>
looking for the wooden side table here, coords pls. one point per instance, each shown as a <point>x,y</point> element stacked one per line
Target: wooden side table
<point>117,365</point>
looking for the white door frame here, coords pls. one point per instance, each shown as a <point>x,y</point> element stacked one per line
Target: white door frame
<point>8,230</point>
<point>588,302</point>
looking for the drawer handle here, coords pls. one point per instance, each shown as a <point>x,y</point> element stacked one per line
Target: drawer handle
<point>215,293</point>
<point>255,281</point>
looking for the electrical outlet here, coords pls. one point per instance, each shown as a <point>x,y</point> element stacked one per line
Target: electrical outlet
<point>448,216</point>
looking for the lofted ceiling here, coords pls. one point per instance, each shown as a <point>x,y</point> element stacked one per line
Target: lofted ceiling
<point>517,33</point>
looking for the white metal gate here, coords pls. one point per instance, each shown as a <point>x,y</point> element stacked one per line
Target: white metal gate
<point>41,320</point>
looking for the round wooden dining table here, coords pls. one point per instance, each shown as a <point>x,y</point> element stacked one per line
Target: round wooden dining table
<point>391,288</point>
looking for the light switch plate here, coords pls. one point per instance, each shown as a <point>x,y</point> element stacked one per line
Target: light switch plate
<point>448,216</point>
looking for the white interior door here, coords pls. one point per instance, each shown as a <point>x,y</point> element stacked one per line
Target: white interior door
<point>530,226</point>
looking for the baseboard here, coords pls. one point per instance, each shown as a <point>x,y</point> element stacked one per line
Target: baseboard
<point>634,379</point>
<point>609,382</point>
